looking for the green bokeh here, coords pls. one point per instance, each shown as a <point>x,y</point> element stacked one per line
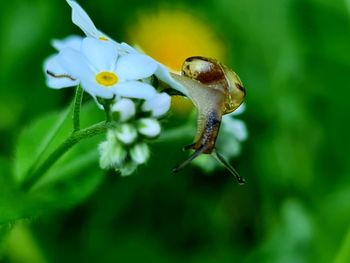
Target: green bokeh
<point>294,59</point>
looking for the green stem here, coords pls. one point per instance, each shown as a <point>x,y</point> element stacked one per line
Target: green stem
<point>77,106</point>
<point>107,108</point>
<point>73,139</point>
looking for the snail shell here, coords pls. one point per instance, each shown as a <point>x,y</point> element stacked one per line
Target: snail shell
<point>218,77</point>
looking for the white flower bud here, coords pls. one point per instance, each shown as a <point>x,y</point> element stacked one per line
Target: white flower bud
<point>126,133</point>
<point>125,108</point>
<point>112,154</point>
<point>148,127</point>
<point>158,105</point>
<point>140,153</point>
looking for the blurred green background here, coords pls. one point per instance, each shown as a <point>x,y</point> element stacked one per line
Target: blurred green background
<point>294,59</point>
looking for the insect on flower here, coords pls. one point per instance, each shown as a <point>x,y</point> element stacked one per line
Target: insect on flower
<point>215,90</point>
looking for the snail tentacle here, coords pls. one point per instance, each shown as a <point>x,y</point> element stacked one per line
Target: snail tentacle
<point>228,166</point>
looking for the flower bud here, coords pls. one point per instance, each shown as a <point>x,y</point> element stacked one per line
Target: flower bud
<point>112,154</point>
<point>140,153</point>
<point>125,108</point>
<point>126,133</point>
<point>148,127</point>
<point>158,105</point>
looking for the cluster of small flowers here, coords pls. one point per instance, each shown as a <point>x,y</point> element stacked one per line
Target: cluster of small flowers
<point>125,147</point>
<point>120,75</point>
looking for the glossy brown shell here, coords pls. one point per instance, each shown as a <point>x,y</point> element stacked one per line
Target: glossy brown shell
<point>216,76</point>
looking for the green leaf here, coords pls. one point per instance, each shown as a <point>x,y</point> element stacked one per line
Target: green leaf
<point>69,181</point>
<point>40,139</point>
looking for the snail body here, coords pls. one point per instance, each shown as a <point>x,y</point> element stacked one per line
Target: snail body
<point>215,91</point>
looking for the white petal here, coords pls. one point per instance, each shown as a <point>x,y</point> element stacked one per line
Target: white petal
<point>82,20</point>
<point>124,47</point>
<point>102,55</point>
<point>140,153</point>
<point>158,105</point>
<point>135,66</point>
<point>72,41</point>
<point>134,89</point>
<point>52,65</point>
<point>95,89</point>
<point>125,108</point>
<point>74,63</point>
<point>163,74</point>
<point>78,67</point>
<point>149,127</point>
<point>126,133</point>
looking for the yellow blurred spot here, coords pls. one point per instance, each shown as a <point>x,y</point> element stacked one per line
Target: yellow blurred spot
<point>171,36</point>
<point>103,38</point>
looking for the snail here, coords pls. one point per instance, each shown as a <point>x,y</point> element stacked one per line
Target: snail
<point>215,90</point>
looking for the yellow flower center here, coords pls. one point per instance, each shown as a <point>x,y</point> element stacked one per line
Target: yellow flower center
<point>107,79</point>
<point>103,38</point>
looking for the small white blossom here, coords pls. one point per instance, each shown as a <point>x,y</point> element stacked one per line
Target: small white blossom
<point>126,133</point>
<point>149,127</point>
<point>125,108</point>
<point>102,72</point>
<point>140,153</point>
<point>158,105</point>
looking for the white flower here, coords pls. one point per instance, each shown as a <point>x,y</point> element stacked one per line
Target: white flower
<point>140,153</point>
<point>84,22</point>
<point>158,105</point>
<point>102,72</point>
<point>126,133</point>
<point>149,127</point>
<point>125,108</point>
